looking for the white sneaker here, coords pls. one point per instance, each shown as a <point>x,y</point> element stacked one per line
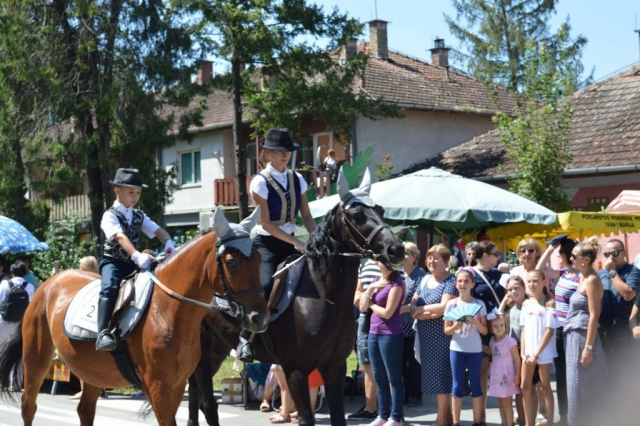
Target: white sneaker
<point>379,421</point>
<point>392,422</point>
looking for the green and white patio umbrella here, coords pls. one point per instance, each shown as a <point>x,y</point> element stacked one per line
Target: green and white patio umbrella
<point>435,198</point>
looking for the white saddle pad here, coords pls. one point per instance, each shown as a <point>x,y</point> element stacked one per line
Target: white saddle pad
<point>80,321</point>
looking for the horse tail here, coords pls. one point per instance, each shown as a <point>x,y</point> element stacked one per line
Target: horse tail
<point>11,367</point>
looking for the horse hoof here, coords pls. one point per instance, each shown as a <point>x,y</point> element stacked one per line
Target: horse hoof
<point>192,423</point>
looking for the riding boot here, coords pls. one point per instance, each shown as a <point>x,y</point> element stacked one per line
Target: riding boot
<point>245,348</point>
<point>105,340</point>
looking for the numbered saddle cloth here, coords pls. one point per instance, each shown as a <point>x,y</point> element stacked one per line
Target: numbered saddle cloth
<point>80,321</point>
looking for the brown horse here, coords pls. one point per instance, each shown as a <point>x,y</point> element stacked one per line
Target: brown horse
<point>164,347</point>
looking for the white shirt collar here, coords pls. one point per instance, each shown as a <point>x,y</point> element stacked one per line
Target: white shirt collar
<point>275,173</point>
<point>121,208</point>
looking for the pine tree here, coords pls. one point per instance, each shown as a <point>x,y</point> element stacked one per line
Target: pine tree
<point>496,32</point>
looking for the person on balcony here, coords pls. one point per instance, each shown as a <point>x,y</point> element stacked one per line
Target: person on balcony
<point>281,195</point>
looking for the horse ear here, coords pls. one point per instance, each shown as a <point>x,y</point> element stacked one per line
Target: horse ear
<point>220,223</point>
<point>365,185</point>
<point>343,185</point>
<point>251,221</point>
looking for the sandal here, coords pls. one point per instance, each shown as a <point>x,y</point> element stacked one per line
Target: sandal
<point>280,418</point>
<point>265,407</point>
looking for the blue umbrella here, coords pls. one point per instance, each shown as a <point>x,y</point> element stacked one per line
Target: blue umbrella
<point>14,238</point>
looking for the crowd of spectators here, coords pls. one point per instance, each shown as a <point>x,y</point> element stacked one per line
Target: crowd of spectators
<point>534,321</point>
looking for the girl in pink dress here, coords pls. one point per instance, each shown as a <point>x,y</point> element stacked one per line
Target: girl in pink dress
<point>505,367</point>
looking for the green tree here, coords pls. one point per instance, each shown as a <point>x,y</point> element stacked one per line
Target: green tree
<point>536,138</point>
<point>64,247</point>
<point>496,32</point>
<point>28,100</point>
<point>120,68</point>
<point>280,73</point>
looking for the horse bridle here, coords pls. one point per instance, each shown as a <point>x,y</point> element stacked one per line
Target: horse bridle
<point>365,249</point>
<point>234,309</point>
<point>228,294</point>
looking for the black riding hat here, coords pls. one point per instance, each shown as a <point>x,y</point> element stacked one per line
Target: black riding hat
<point>128,177</point>
<point>279,140</point>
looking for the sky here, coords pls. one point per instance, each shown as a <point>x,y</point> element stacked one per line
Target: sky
<point>414,24</point>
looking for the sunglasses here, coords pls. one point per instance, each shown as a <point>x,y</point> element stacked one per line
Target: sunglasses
<point>574,256</point>
<point>496,254</point>
<point>614,253</point>
<point>530,251</point>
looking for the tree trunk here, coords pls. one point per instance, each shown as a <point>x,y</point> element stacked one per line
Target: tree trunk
<point>238,140</point>
<point>19,188</point>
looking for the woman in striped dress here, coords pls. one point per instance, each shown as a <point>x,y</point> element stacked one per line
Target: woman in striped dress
<point>586,364</point>
<point>567,278</point>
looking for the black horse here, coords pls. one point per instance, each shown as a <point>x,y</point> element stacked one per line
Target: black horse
<point>318,329</point>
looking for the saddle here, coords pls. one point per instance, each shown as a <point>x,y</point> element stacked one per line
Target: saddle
<point>284,286</point>
<point>132,300</point>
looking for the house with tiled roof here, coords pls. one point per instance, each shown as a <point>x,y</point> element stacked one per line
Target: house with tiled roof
<point>441,106</point>
<point>604,143</point>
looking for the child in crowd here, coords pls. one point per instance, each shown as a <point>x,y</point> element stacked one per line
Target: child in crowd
<point>538,344</point>
<point>511,306</point>
<point>466,346</point>
<point>505,367</point>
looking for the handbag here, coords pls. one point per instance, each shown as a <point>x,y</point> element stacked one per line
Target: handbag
<point>365,325</point>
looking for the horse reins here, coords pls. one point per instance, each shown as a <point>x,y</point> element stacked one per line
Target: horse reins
<point>234,309</point>
<point>364,247</point>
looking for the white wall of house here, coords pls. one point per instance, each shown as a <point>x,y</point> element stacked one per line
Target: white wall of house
<point>192,198</point>
<point>419,135</point>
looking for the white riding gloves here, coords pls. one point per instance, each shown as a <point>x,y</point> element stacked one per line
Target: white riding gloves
<point>169,247</point>
<point>143,260</point>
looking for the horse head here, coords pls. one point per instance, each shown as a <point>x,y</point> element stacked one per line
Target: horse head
<point>239,271</point>
<point>364,224</point>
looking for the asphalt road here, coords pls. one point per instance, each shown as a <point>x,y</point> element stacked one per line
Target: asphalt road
<point>117,410</point>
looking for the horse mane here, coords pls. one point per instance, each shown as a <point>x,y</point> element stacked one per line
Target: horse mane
<point>183,248</point>
<point>321,245</point>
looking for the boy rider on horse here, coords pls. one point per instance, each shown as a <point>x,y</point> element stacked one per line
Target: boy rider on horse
<point>281,194</point>
<point>121,225</point>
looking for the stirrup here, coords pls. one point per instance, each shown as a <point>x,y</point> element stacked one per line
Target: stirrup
<point>105,341</point>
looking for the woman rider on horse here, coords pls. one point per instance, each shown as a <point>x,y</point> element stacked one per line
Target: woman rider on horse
<point>281,194</point>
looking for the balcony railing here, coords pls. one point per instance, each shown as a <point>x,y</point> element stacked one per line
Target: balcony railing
<point>77,205</point>
<point>226,192</point>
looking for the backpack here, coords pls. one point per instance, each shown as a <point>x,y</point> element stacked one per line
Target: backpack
<point>16,302</point>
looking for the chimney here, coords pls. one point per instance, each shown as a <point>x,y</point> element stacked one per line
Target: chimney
<point>378,39</point>
<point>440,54</point>
<point>205,72</point>
<point>349,51</point>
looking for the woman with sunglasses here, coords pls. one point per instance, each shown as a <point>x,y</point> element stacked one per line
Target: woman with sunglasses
<point>529,252</point>
<point>489,290</point>
<point>587,370</point>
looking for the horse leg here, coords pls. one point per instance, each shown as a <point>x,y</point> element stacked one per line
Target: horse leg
<point>298,381</point>
<point>37,356</point>
<point>194,400</point>
<point>87,405</point>
<point>165,400</point>
<point>334,393</point>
